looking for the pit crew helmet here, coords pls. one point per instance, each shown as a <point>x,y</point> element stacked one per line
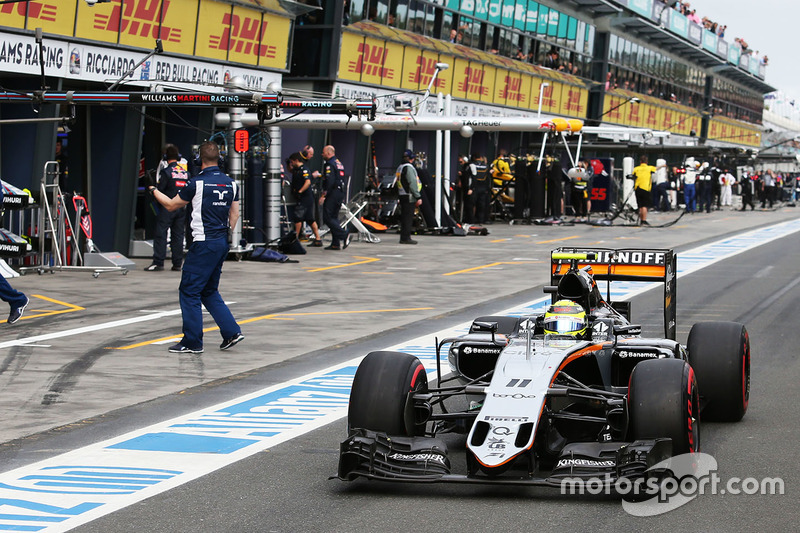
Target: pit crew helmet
<point>565,317</point>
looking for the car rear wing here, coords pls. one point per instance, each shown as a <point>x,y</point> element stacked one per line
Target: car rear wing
<point>627,264</point>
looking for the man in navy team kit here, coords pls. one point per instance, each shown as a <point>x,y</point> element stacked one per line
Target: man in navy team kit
<point>215,207</point>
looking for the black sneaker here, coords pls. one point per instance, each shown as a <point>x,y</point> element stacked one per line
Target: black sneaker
<point>16,312</point>
<point>154,268</point>
<point>231,341</point>
<point>180,348</point>
<point>409,241</point>
<point>333,247</point>
<point>176,268</point>
<point>316,244</point>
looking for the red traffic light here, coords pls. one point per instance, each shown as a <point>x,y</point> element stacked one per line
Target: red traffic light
<point>241,141</point>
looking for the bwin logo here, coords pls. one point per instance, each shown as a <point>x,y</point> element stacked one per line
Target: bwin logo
<point>221,194</point>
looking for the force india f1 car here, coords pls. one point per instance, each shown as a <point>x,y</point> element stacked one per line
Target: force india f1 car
<point>539,407</point>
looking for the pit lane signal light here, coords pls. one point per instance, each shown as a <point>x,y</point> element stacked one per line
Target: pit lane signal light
<point>241,141</point>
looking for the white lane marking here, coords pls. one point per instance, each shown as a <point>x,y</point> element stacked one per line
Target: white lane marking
<point>74,488</point>
<point>89,329</point>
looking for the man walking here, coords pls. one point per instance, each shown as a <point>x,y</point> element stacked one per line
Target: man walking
<point>333,186</point>
<point>215,208</point>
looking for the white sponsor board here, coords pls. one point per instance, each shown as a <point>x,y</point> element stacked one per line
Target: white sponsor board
<point>64,59</point>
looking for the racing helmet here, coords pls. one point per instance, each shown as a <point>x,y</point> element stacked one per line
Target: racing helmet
<point>565,317</point>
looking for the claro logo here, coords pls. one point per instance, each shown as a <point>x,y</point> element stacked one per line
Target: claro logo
<point>141,18</point>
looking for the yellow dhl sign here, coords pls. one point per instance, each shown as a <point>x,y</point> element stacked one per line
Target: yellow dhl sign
<point>376,61</point>
<point>223,31</point>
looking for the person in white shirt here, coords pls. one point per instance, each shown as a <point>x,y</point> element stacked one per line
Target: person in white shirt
<point>726,181</point>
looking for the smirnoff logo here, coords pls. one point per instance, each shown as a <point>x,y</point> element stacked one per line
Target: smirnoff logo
<point>574,101</point>
<point>371,61</point>
<point>473,84</point>
<point>140,18</point>
<point>242,35</point>
<point>512,90</point>
<point>34,10</point>
<point>425,70</point>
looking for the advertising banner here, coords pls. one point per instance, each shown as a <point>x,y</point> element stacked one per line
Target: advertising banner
<point>695,33</point>
<point>678,24</point>
<point>643,7</point>
<point>710,40</point>
<point>53,16</point>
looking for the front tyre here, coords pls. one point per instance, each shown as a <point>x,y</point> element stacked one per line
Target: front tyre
<point>719,352</point>
<point>380,399</point>
<point>663,402</point>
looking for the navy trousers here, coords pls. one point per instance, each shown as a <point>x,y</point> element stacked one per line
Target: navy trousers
<point>199,284</point>
<point>11,295</point>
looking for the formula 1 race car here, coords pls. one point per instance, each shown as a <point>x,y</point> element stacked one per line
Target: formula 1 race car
<point>575,392</point>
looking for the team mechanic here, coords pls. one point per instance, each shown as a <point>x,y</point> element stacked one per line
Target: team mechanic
<point>215,207</point>
<point>333,184</point>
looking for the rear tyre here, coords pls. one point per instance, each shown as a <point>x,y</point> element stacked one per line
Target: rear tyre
<point>719,352</point>
<point>663,402</point>
<point>380,399</point>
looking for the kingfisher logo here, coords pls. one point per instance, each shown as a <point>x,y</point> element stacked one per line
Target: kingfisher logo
<point>473,84</point>
<point>371,61</point>
<point>243,35</point>
<point>34,10</point>
<point>425,70</point>
<point>512,90</point>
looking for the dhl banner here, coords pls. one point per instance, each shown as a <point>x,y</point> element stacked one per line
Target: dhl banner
<point>53,16</point>
<point>732,131</point>
<point>205,28</point>
<point>649,112</point>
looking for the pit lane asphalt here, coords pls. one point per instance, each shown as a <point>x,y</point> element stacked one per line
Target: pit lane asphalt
<point>286,488</point>
<point>59,393</point>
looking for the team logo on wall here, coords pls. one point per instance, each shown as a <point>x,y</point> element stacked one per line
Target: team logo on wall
<point>74,61</point>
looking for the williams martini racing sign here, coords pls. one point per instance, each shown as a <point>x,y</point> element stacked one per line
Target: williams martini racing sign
<point>20,54</point>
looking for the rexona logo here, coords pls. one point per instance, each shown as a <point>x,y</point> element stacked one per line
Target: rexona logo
<point>425,70</point>
<point>512,90</point>
<point>371,61</point>
<point>473,83</point>
<point>141,18</point>
<point>242,35</point>
<point>35,11</point>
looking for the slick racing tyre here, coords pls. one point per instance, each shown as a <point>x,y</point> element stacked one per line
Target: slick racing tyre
<point>719,352</point>
<point>380,400</point>
<point>506,325</point>
<point>663,402</point>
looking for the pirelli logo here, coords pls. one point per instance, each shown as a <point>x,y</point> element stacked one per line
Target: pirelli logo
<point>34,10</point>
<point>141,18</point>
<point>425,70</point>
<point>473,83</point>
<point>371,61</point>
<point>512,90</point>
<point>243,35</point>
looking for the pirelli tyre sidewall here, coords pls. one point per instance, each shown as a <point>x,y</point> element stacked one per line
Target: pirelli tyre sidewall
<point>663,402</point>
<point>719,352</point>
<point>380,398</point>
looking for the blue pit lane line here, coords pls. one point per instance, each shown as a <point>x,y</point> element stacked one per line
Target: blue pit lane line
<point>76,487</point>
